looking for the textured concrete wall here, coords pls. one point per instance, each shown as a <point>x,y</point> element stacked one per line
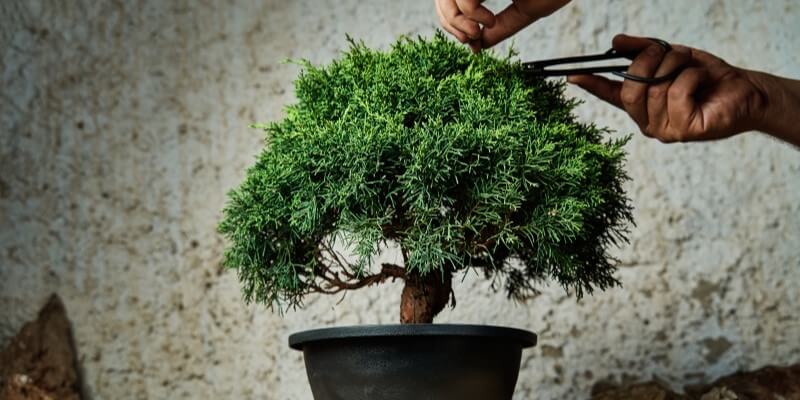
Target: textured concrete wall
<point>125,122</point>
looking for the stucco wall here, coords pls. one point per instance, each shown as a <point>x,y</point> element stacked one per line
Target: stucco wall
<point>125,122</point>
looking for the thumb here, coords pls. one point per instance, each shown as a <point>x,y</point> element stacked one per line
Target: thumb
<point>602,88</point>
<point>517,16</point>
<point>507,22</point>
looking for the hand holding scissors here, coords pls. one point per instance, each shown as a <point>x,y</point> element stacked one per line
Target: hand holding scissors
<point>676,93</point>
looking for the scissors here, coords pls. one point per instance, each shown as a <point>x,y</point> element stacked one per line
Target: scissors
<point>540,68</point>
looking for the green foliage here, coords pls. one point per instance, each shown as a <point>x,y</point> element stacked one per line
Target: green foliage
<point>460,158</point>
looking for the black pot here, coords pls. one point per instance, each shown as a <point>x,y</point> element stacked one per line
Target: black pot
<point>413,362</point>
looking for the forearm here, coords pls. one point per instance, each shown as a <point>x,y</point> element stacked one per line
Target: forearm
<point>781,117</point>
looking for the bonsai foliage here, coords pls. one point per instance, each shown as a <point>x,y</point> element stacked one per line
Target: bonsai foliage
<point>461,160</point>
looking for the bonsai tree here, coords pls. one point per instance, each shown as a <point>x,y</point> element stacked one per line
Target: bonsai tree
<point>460,160</point>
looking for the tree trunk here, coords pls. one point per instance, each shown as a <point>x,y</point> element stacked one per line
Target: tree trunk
<point>424,297</point>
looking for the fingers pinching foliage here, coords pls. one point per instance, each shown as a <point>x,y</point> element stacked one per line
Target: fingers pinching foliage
<point>460,159</point>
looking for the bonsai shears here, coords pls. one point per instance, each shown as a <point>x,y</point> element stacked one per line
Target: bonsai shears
<point>540,68</point>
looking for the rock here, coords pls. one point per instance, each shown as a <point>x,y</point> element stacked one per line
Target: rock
<point>40,362</point>
<point>21,387</point>
<point>638,391</point>
<point>720,393</point>
<point>768,383</point>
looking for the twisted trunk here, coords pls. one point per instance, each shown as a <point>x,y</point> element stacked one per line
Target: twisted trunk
<point>424,297</point>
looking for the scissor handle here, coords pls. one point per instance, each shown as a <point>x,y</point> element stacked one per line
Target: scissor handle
<point>539,68</point>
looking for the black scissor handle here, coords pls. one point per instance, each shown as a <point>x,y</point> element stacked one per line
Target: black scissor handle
<point>540,68</point>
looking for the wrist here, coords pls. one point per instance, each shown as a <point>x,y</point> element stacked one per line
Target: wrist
<point>780,113</point>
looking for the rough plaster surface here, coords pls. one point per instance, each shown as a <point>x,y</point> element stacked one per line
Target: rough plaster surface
<point>125,122</point>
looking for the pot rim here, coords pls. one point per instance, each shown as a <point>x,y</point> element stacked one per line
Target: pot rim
<point>523,337</point>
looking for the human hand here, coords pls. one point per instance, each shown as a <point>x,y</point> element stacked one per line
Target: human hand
<point>708,98</point>
<point>472,23</point>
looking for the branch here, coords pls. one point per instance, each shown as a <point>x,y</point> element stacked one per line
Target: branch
<point>334,284</point>
<point>346,267</point>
